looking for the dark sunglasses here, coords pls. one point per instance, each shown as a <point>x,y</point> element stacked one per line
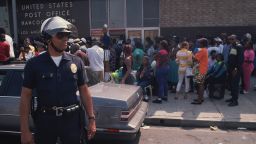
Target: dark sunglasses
<point>62,35</point>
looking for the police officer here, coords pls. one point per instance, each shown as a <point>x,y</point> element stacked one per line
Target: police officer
<point>56,76</point>
<point>235,60</point>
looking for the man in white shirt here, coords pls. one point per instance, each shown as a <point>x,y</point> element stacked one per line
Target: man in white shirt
<point>219,44</point>
<point>10,42</point>
<point>213,46</point>
<point>96,57</point>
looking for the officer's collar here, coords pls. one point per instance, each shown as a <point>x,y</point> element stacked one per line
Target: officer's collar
<point>65,55</point>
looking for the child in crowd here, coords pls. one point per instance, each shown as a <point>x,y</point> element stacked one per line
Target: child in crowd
<point>144,76</point>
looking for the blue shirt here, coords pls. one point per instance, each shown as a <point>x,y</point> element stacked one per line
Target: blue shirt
<point>225,52</point>
<point>195,50</point>
<point>218,70</point>
<point>55,86</point>
<point>106,41</point>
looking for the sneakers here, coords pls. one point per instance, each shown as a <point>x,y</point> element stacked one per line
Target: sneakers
<point>233,103</point>
<point>198,102</point>
<point>158,101</point>
<point>146,98</point>
<point>245,92</point>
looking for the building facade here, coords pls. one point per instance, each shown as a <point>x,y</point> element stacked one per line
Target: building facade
<point>189,18</point>
<point>132,18</point>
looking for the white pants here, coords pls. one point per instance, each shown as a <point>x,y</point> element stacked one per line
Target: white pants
<point>181,78</point>
<point>106,55</point>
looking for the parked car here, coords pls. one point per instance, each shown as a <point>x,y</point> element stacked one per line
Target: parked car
<point>119,109</point>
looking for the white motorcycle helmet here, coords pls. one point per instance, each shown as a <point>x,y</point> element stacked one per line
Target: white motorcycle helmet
<point>54,25</point>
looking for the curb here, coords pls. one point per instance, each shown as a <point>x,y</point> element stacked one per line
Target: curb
<point>199,123</point>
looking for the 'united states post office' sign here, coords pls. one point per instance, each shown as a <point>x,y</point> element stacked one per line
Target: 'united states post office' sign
<point>32,13</point>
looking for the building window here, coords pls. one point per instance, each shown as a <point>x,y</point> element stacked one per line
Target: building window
<point>134,13</point>
<point>116,13</point>
<point>151,13</point>
<point>99,13</point>
<point>4,16</point>
<point>124,13</point>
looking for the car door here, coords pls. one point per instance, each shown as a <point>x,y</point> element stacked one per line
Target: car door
<point>10,89</point>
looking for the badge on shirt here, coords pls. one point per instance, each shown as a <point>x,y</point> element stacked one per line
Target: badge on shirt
<point>73,68</point>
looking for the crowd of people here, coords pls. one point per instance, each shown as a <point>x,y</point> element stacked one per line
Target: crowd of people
<point>208,66</point>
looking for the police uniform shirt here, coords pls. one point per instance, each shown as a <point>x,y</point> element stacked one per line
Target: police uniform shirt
<point>55,86</point>
<point>235,58</point>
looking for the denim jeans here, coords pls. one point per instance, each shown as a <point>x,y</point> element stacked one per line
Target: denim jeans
<point>162,80</point>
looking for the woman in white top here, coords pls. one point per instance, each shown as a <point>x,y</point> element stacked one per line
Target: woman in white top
<point>184,60</point>
<point>28,51</point>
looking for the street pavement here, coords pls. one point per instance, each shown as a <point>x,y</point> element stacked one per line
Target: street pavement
<point>172,135</point>
<point>167,135</point>
<point>210,113</point>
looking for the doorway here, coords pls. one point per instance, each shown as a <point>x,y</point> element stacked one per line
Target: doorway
<point>142,33</point>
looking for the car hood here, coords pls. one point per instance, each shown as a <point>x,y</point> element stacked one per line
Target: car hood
<point>115,95</point>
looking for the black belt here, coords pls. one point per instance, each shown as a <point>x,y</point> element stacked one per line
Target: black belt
<point>58,111</point>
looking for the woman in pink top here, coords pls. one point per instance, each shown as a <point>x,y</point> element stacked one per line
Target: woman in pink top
<point>248,65</point>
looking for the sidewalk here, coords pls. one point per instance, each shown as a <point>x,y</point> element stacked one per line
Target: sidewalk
<point>210,113</point>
